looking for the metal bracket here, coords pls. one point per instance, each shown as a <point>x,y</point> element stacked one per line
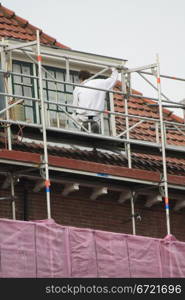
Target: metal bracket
<point>162,191</point>
<point>137,216</point>
<point>154,71</point>
<point>6,74</point>
<point>69,188</point>
<point>98,192</point>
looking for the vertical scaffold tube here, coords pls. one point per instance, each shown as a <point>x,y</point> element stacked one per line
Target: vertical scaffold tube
<point>124,90</point>
<point>4,65</point>
<point>43,120</point>
<point>13,197</point>
<point>165,179</point>
<point>128,150</point>
<point>133,213</point>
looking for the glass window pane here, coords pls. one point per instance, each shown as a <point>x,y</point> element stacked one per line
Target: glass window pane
<point>28,103</point>
<point>61,97</point>
<point>17,79</point>
<point>62,120</point>
<point>52,98</point>
<point>27,80</point>
<point>16,69</point>
<point>52,85</point>
<point>44,75</point>
<point>69,101</point>
<point>52,95</point>
<point>52,107</point>
<point>69,98</point>
<point>43,83</point>
<point>50,74</point>
<point>27,91</point>
<point>53,119</point>
<point>60,77</point>
<point>27,71</point>
<point>107,126</point>
<point>69,88</point>
<point>18,90</point>
<point>76,78</point>
<point>29,114</point>
<point>45,95</point>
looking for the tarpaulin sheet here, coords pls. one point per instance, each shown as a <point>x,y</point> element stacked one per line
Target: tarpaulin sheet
<point>45,249</point>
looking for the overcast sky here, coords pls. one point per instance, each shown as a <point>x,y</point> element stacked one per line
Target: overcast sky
<point>131,29</point>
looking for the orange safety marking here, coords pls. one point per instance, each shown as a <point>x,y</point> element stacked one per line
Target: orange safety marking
<point>47,183</point>
<point>39,58</point>
<point>158,80</point>
<point>166,200</point>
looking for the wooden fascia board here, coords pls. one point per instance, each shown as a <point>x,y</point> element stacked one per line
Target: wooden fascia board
<point>74,164</point>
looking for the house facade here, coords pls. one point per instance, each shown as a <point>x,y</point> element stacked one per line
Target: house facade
<point>113,181</point>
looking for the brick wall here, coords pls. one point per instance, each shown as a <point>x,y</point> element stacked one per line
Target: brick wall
<point>103,214</point>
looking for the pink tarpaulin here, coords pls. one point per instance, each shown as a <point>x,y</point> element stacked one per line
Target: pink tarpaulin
<point>46,249</point>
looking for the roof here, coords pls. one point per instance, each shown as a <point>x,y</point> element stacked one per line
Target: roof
<point>146,131</point>
<point>141,161</point>
<point>15,27</point>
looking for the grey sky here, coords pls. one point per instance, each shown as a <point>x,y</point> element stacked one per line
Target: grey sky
<point>131,29</point>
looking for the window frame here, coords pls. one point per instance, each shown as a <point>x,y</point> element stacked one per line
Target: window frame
<point>65,92</point>
<point>22,85</point>
<point>49,87</point>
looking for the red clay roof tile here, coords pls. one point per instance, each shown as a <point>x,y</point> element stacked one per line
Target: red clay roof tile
<point>144,131</point>
<point>20,28</point>
<point>139,160</point>
<point>7,11</point>
<point>21,21</point>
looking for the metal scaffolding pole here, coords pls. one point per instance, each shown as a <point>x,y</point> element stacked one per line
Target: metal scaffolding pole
<point>13,197</point>
<point>80,59</point>
<point>43,120</point>
<point>130,128</point>
<point>133,213</point>
<point>163,142</point>
<point>140,68</point>
<point>164,76</point>
<point>10,106</point>
<point>4,64</point>
<point>97,74</point>
<point>150,83</point>
<point>181,105</point>
<point>112,116</point>
<point>126,120</point>
<point>73,106</point>
<point>127,146</point>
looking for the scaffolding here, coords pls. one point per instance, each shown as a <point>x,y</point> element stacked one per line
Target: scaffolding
<point>121,140</point>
